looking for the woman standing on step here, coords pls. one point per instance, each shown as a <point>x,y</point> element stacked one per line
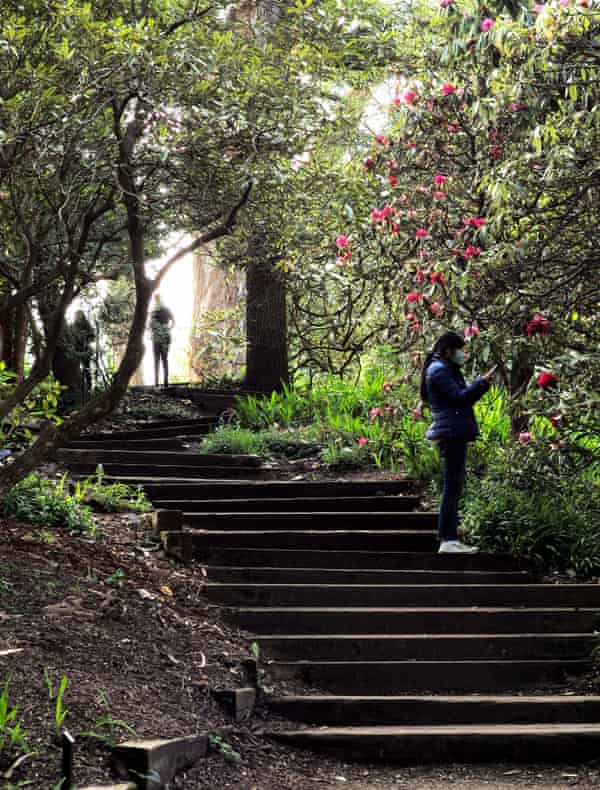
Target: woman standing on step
<point>454,425</point>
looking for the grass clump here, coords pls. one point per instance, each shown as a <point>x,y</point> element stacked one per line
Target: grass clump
<point>235,440</point>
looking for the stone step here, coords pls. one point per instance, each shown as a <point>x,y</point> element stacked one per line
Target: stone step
<point>158,457</point>
<point>441,620</point>
<point>313,521</point>
<point>435,676</point>
<point>280,575</point>
<point>292,504</point>
<point>425,647</point>
<point>397,595</point>
<point>134,474</point>
<point>400,540</point>
<point>510,743</point>
<point>436,710</point>
<point>185,489</point>
<point>388,560</point>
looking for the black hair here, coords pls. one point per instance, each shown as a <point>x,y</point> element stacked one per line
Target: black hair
<point>449,341</point>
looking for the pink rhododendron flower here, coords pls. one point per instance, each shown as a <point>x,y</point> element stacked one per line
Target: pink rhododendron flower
<point>525,436</point>
<point>497,152</point>
<point>446,3</point>
<point>409,96</point>
<point>487,23</point>
<point>392,164</point>
<point>439,195</point>
<point>376,215</point>
<point>472,251</point>
<point>342,241</point>
<point>411,316</point>
<point>538,8</point>
<point>437,278</point>
<point>396,101</point>
<point>556,419</point>
<point>375,412</point>
<point>440,179</point>
<point>517,106</point>
<point>381,139</point>
<point>414,297</point>
<point>387,386</point>
<point>412,145</point>
<point>453,128</point>
<point>474,222</point>
<point>395,228</point>
<point>448,88</point>
<point>471,331</point>
<point>417,414</point>
<point>437,309</point>
<point>388,211</point>
<point>421,233</point>
<point>420,276</point>
<point>564,3</point>
<point>546,380</point>
<point>362,441</point>
<point>539,325</point>
<point>416,326</point>
<point>412,213</point>
<point>393,181</point>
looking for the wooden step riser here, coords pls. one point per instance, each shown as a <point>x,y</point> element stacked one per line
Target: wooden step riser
<point>466,621</point>
<point>403,541</point>
<point>258,522</point>
<point>424,749</point>
<point>360,677</point>
<point>166,472</point>
<point>415,711</point>
<point>160,458</point>
<point>430,648</point>
<point>276,489</point>
<point>340,576</point>
<point>384,560</point>
<point>127,444</point>
<point>381,596</point>
<point>349,505</point>
<point>154,433</point>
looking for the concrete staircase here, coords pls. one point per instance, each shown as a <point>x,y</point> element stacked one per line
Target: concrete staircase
<point>385,650</point>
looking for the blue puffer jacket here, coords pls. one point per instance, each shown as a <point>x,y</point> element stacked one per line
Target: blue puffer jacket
<point>451,401</point>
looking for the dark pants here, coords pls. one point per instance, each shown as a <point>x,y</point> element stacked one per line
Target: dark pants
<point>454,459</point>
<point>161,354</point>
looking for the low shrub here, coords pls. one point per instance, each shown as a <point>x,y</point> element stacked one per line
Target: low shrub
<point>49,504</point>
<point>111,497</point>
<point>234,440</point>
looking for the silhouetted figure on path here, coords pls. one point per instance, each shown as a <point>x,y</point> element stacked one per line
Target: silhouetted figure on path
<point>161,323</point>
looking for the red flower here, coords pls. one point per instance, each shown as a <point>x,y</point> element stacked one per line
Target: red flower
<point>539,325</point>
<point>525,436</point>
<point>420,276</point>
<point>409,97</point>
<point>440,180</point>
<point>362,441</point>
<point>437,278</point>
<point>437,309</point>
<point>439,195</point>
<point>546,380</point>
<point>453,128</point>
<point>387,386</point>
<point>556,419</point>
<point>472,251</point>
<point>395,228</point>
<point>474,222</point>
<point>414,297</point>
<point>393,181</point>
<point>448,88</point>
<point>381,139</point>
<point>421,233</point>
<point>369,164</point>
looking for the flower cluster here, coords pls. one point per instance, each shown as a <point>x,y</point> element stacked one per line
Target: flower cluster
<point>539,325</point>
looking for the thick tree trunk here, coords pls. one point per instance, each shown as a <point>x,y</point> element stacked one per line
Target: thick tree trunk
<point>13,338</point>
<point>521,373</point>
<point>266,322</point>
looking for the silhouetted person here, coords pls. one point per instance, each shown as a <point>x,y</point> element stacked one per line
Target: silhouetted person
<point>82,336</point>
<point>161,323</point>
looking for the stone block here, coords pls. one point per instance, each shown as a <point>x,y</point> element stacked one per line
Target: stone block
<point>153,764</point>
<point>167,521</point>
<point>239,702</point>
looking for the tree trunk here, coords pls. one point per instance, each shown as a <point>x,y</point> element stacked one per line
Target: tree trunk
<point>266,322</point>
<point>13,338</point>
<point>521,373</point>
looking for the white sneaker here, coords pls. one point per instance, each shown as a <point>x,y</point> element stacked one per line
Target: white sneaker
<point>456,547</point>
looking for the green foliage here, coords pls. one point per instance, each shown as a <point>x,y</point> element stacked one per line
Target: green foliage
<point>111,497</point>
<point>219,744</point>
<point>57,697</point>
<point>48,503</point>
<point>12,732</point>
<point>107,729</point>
<point>234,440</point>
<point>41,405</point>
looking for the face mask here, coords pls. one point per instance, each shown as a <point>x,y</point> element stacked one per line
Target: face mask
<point>459,357</point>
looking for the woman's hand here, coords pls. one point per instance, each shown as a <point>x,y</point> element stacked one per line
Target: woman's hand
<point>490,374</point>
